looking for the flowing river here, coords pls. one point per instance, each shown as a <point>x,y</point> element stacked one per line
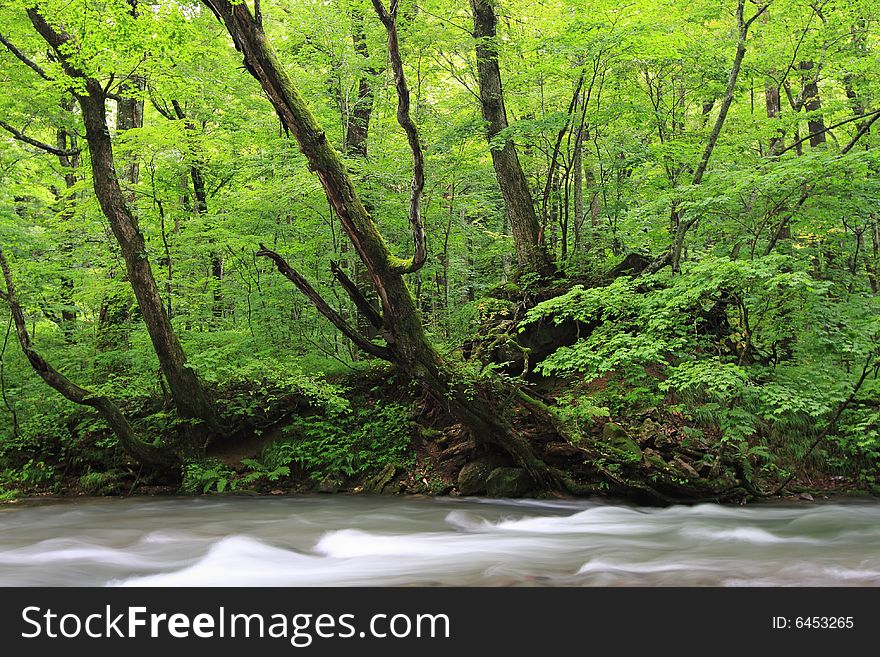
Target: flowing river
<point>380,541</point>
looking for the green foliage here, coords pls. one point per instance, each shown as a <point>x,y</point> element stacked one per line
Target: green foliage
<point>260,471</point>
<point>206,476</point>
<point>258,383</point>
<point>99,483</point>
<point>351,444</point>
<point>758,339</point>
<point>756,349</point>
<point>580,411</point>
<point>33,473</point>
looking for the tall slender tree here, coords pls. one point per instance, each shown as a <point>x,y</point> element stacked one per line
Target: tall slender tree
<point>530,251</point>
<point>190,397</point>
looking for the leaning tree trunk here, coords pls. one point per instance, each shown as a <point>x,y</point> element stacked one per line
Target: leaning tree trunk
<point>137,448</point>
<point>531,254</point>
<point>489,405</point>
<point>190,398</point>
<point>399,323</point>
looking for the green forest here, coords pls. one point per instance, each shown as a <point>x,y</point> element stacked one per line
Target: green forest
<point>504,248</point>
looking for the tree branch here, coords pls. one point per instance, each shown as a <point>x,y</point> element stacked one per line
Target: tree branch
<point>758,13</point>
<point>164,111</point>
<point>323,307</point>
<point>34,142</point>
<point>728,92</point>
<point>875,114</point>
<point>420,242</point>
<point>24,58</point>
<point>363,305</point>
<point>130,442</point>
<point>548,186</point>
<point>673,254</point>
<point>863,130</point>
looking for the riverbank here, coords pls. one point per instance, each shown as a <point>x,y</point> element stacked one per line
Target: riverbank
<point>384,437</point>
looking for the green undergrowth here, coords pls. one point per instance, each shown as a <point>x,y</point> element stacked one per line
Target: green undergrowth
<point>754,356</point>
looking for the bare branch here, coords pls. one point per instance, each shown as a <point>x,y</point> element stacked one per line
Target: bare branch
<point>363,305</point>
<point>780,228</point>
<point>758,13</point>
<point>162,110</point>
<point>559,137</point>
<point>420,242</point>
<point>863,130</point>
<point>34,142</point>
<point>453,69</point>
<point>848,147</point>
<point>322,306</point>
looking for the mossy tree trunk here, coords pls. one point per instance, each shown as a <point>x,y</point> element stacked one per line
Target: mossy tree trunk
<point>190,398</point>
<point>474,404</point>
<point>493,409</point>
<point>531,253</point>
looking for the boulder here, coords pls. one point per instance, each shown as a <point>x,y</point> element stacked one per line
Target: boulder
<point>654,460</point>
<point>683,465</point>
<point>648,431</point>
<point>508,482</point>
<point>472,477</point>
<point>615,436</point>
<point>332,483</point>
<point>383,483</point>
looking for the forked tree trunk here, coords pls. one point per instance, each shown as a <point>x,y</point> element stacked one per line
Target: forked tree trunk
<point>401,326</point>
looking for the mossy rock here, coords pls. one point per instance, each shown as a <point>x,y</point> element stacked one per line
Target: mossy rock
<point>332,483</point>
<point>648,431</point>
<point>383,483</point>
<point>615,436</point>
<point>508,482</point>
<point>472,477</point>
<point>654,461</point>
<point>432,435</point>
<point>684,466</point>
